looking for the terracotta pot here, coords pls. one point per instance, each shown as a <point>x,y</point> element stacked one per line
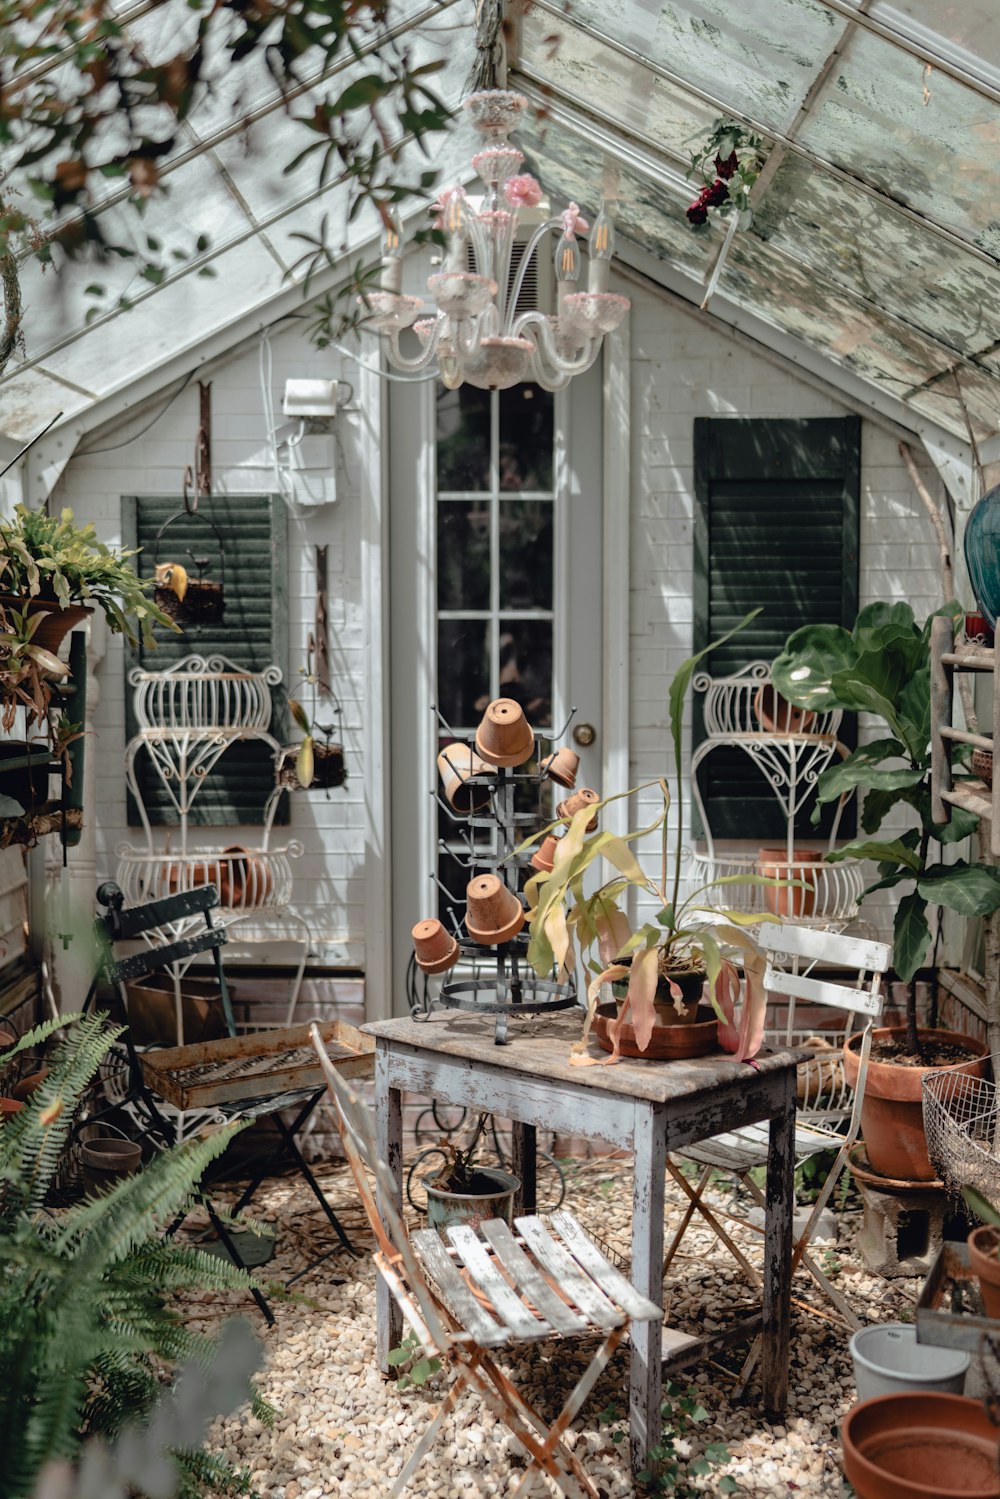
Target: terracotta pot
<point>984,1243</point>
<point>585,797</point>
<point>456,766</point>
<point>25,1086</point>
<point>57,621</point>
<point>434,948</point>
<point>544,856</point>
<point>920,1446</point>
<point>198,873</point>
<point>776,715</point>
<point>892,1120</point>
<point>789,900</point>
<point>562,767</point>
<point>494,914</point>
<point>249,880</point>
<point>505,736</point>
<point>668,1042</point>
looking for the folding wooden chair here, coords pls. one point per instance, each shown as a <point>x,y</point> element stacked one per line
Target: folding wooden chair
<point>825,1102</point>
<point>465,1297</point>
<point>218,1081</point>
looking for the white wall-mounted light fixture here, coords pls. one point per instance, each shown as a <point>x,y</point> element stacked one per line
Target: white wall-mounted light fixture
<point>310,398</point>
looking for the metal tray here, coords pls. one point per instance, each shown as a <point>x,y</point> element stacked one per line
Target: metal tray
<point>261,1065</point>
<point>951,1277</point>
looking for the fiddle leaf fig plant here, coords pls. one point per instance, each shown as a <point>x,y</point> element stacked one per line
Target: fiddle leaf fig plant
<point>882,667</point>
<point>684,935</point>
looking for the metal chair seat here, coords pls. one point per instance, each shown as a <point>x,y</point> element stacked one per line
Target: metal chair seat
<point>745,1148</point>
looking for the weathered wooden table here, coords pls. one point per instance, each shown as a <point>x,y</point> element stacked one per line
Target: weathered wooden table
<point>648,1108</point>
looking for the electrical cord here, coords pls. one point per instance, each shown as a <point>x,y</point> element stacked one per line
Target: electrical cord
<point>113,447</point>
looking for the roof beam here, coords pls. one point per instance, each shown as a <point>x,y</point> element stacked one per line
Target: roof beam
<point>904,41</point>
<point>932,226</point>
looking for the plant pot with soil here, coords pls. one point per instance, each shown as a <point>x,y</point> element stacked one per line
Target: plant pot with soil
<point>892,1118</point>
<point>984,1257</point>
<point>464,1192</point>
<point>920,1446</point>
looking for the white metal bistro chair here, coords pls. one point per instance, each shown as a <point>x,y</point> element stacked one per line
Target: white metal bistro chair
<point>826,1103</point>
<point>467,1297</point>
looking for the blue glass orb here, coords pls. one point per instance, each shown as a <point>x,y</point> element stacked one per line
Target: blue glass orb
<point>982,553</point>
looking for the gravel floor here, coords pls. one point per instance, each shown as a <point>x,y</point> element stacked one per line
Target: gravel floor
<point>342,1429</point>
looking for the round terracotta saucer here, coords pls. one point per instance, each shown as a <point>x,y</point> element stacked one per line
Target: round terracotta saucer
<point>668,1043</point>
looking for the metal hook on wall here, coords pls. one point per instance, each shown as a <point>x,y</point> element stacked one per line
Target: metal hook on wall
<point>197,479</point>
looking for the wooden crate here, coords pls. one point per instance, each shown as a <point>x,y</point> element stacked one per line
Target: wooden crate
<point>237,1070</point>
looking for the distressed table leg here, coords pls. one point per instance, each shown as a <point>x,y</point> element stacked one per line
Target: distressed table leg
<point>389,1135</point>
<point>780,1202</point>
<point>523,1165</point>
<point>646,1371</point>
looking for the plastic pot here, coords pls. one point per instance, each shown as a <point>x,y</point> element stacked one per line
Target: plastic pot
<point>888,1359</point>
<point>446,1208</point>
<point>920,1446</point>
<point>892,1118</point>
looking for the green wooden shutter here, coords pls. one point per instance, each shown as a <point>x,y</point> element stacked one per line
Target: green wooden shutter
<point>253,633</point>
<point>776,527</point>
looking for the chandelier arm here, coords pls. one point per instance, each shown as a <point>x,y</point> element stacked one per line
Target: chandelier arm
<point>522,270</point>
<point>423,359</point>
<point>541,326</point>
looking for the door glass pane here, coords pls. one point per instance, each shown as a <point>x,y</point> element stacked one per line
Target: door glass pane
<point>463,670</point>
<point>525,554</point>
<point>526,667</point>
<point>463,554</point>
<point>526,431</point>
<point>463,438</point>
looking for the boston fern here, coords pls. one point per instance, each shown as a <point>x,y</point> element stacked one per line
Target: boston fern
<point>882,667</point>
<point>87,1334</point>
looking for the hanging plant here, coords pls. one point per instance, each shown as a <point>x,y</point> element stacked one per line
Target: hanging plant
<point>728,164</point>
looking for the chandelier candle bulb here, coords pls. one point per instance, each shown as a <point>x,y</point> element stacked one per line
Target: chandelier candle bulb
<point>602,248</point>
<point>392,257</point>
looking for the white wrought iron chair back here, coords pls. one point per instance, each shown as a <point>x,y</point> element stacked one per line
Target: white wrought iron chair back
<point>801,1013</point>
<point>203,693</point>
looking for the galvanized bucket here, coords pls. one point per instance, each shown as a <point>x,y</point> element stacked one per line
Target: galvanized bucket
<point>446,1209</point>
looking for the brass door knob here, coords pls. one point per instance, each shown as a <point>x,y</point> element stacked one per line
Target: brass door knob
<point>584,734</point>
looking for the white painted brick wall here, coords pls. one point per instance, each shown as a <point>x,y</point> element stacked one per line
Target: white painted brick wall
<point>681,370</point>
<point>329,878</point>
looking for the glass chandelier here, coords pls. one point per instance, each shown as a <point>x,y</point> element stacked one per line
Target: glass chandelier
<point>477,335</point>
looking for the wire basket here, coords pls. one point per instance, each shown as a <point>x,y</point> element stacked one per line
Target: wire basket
<point>962,1125</point>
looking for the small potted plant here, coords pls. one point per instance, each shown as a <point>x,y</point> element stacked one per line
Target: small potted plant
<point>984,1249</point>
<point>659,968</point>
<point>53,574</point>
<point>311,762</point>
<point>463,1191</point>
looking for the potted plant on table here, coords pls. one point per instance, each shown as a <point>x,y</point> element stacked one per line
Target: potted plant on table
<point>882,667</point>
<point>660,966</point>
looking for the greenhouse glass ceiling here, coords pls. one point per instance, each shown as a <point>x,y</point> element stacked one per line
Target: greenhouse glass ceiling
<point>876,233</point>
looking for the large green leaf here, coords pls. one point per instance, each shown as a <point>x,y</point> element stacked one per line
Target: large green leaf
<point>804,671</point>
<point>969,889</point>
<point>961,825</point>
<point>911,935</point>
<point>875,621</point>
<point>914,714</point>
<point>879,803</point>
<point>895,852</point>
<point>862,769</point>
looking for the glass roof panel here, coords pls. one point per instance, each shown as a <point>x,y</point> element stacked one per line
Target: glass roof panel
<point>967,24</point>
<point>867,247</point>
<point>921,137</point>
<point>760,56</point>
<point>612,84</point>
<point>857,337</point>
<point>573,169</point>
<point>29,400</point>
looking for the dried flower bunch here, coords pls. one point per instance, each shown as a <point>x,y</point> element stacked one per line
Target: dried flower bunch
<point>728,164</point>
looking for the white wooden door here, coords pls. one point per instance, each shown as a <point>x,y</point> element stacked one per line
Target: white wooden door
<point>497,589</point>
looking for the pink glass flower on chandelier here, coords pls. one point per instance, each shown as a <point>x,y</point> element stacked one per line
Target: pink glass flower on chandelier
<point>523,191</point>
<point>573,222</point>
